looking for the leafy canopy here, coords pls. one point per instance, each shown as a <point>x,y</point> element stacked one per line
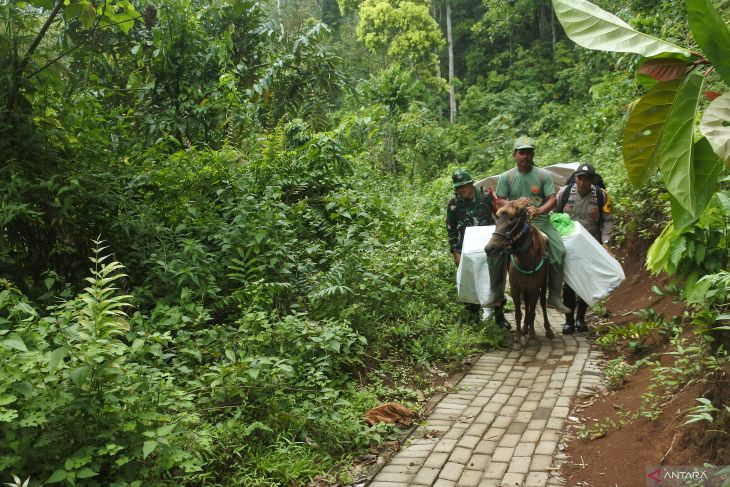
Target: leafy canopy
<point>404,30</point>
<point>660,133</point>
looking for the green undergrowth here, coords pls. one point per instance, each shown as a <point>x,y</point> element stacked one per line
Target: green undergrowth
<point>236,322</point>
<point>680,351</point>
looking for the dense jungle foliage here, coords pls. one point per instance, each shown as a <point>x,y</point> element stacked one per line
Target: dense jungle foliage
<point>222,235</point>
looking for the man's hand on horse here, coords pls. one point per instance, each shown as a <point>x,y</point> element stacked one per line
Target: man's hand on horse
<point>534,211</point>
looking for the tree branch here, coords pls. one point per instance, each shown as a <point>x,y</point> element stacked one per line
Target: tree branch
<point>71,49</point>
<point>38,38</point>
<point>96,27</point>
<point>14,89</point>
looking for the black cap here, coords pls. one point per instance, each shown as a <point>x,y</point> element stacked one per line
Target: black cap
<point>585,170</point>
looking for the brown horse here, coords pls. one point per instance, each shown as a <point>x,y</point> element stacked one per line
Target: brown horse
<point>526,248</point>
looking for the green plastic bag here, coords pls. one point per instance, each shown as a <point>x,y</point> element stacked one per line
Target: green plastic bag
<point>563,224</point>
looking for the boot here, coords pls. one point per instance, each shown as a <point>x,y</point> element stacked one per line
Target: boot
<point>555,286</point>
<point>580,322</point>
<point>500,319</point>
<point>497,278</point>
<point>569,326</point>
<point>474,313</point>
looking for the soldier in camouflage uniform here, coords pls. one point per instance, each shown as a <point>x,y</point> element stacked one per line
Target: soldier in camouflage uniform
<point>470,206</point>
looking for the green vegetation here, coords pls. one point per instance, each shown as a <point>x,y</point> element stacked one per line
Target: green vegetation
<point>254,292</point>
<point>260,189</point>
<point>662,134</point>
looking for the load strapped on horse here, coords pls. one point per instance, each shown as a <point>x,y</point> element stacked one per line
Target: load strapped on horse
<point>589,269</point>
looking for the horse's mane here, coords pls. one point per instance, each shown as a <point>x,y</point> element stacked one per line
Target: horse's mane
<point>539,243</point>
<point>513,207</point>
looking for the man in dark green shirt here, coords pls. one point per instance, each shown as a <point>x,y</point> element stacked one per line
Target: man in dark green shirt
<point>526,180</point>
<point>469,207</point>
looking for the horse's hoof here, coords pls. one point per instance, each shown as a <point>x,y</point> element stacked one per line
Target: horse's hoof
<point>525,332</point>
<point>533,341</point>
<point>550,334</point>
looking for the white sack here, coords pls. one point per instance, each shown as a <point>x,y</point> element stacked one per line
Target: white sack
<point>472,276</point>
<point>589,269</point>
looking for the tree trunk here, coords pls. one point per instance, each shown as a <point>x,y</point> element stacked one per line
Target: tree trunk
<point>438,103</point>
<point>450,42</point>
<point>552,28</point>
<point>15,80</point>
<point>543,20</point>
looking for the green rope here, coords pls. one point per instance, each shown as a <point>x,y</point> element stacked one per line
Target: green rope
<point>514,263</point>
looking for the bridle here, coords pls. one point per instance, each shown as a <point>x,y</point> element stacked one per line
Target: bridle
<point>514,235</point>
<point>510,237</point>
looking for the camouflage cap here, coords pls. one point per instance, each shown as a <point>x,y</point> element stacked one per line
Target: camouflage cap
<point>461,177</point>
<point>524,142</point>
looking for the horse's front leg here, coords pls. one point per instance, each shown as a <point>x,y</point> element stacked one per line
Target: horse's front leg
<point>527,297</point>
<point>517,300</point>
<point>543,303</point>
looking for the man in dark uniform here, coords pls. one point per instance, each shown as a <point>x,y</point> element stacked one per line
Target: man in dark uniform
<point>589,205</point>
<point>470,206</point>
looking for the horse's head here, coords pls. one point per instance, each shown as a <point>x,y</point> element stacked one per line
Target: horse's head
<point>510,219</point>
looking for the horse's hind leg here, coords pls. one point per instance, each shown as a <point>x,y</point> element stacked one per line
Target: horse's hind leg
<point>548,330</point>
<point>526,322</point>
<point>531,308</point>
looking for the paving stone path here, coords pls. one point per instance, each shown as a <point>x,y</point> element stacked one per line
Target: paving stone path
<point>502,423</point>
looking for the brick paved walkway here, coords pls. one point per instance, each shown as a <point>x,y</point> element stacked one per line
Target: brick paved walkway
<point>502,423</point>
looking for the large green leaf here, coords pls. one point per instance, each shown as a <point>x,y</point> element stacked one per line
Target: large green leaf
<point>644,130</point>
<point>707,169</point>
<point>676,148</point>
<point>723,198</point>
<point>681,218</point>
<point>658,254</point>
<point>711,34</point>
<point>589,26</point>
<point>715,125</point>
<point>707,172</point>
